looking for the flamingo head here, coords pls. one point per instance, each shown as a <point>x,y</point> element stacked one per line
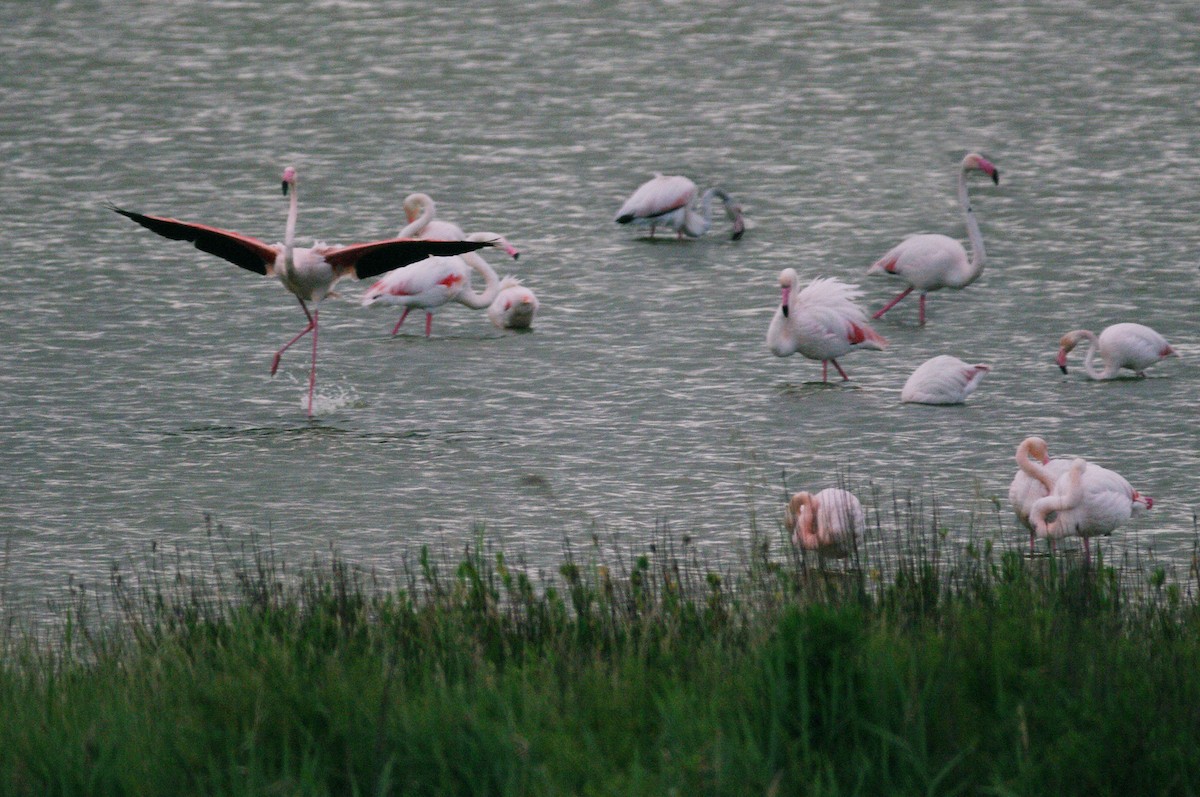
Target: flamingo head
<point>787,278</point>
<point>1142,502</point>
<point>289,179</point>
<point>739,222</point>
<point>974,162</point>
<point>508,248</point>
<point>1066,344</point>
<point>414,204</point>
<point>1036,448</point>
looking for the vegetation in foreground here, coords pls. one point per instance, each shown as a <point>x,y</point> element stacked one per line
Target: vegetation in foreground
<point>970,671</point>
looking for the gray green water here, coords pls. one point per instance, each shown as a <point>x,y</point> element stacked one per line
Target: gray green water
<point>134,394</point>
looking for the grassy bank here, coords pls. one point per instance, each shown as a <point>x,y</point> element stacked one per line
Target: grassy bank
<point>973,671</point>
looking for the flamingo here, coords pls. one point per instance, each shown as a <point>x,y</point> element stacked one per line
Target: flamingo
<point>930,262</point>
<point>420,210</point>
<point>667,200</point>
<point>943,380</point>
<point>1132,346</point>
<point>513,307</point>
<point>822,322</point>
<point>829,522</point>
<point>309,273</point>
<point>1035,478</point>
<point>1087,501</point>
<point>436,281</point>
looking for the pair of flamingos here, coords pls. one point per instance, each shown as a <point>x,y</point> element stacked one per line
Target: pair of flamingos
<point>823,322</point>
<point>1083,498</point>
<point>308,273</point>
<point>436,281</point>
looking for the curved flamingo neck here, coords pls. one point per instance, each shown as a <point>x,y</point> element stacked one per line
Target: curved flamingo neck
<point>978,255</point>
<point>804,514</point>
<point>469,296</point>
<point>428,210</point>
<point>1059,501</point>
<point>1089,358</point>
<point>1034,470</point>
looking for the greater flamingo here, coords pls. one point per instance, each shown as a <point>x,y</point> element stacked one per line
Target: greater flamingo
<point>436,281</point>
<point>421,212</point>
<point>309,273</point>
<point>943,380</point>
<point>1087,501</point>
<point>666,200</point>
<point>829,522</point>
<point>1132,346</point>
<point>513,308</point>
<point>822,322</point>
<point>930,262</point>
<point>1035,478</point>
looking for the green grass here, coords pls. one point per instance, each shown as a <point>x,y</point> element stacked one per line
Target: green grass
<point>951,671</point>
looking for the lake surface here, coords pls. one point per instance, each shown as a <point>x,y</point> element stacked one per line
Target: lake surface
<point>134,388</point>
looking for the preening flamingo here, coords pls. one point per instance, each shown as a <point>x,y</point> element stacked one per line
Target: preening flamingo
<point>822,322</point>
<point>1132,346</point>
<point>1035,478</point>
<point>943,380</point>
<point>436,281</point>
<point>1087,501</point>
<point>666,201</point>
<point>930,262</point>
<point>309,273</point>
<point>514,307</point>
<point>829,522</point>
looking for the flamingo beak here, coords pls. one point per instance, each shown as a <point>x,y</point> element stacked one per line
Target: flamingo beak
<point>285,187</point>
<point>1062,360</point>
<point>995,176</point>
<point>739,224</point>
<point>1147,500</point>
<point>783,302</point>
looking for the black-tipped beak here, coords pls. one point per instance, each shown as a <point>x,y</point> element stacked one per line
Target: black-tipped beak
<point>285,187</point>
<point>517,256</point>
<point>784,309</point>
<point>996,177</point>
<point>1062,368</point>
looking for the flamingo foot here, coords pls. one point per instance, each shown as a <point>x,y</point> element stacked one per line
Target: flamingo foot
<point>879,313</point>
<point>311,326</point>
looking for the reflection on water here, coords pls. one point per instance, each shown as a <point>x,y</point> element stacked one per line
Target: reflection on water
<point>134,387</point>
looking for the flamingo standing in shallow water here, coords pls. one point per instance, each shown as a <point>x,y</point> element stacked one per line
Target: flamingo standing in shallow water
<point>666,200</point>
<point>1035,478</point>
<point>1087,501</point>
<point>943,380</point>
<point>930,262</point>
<point>309,273</point>
<point>514,307</point>
<point>829,522</point>
<point>1132,346</point>
<point>822,322</point>
<point>436,281</point>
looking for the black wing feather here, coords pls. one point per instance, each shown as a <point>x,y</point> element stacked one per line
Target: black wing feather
<point>240,250</point>
<point>388,255</point>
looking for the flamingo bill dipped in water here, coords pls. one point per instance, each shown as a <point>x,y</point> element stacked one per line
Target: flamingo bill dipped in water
<point>930,262</point>
<point>308,273</point>
<point>514,307</point>
<point>821,322</point>
<point>1087,501</point>
<point>437,281</point>
<point>1035,478</point>
<point>1132,346</point>
<point>943,380</point>
<point>667,201</point>
<point>829,522</point>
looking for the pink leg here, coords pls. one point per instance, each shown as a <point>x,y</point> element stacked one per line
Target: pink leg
<point>824,371</point>
<point>311,326</point>
<point>840,371</point>
<point>1087,552</point>
<point>312,374</point>
<point>428,323</point>
<point>879,313</point>
<point>403,316</point>
<point>921,314</point>
<point>1031,543</point>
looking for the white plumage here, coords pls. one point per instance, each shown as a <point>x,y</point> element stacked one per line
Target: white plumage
<point>666,201</point>
<point>1132,346</point>
<point>514,306</point>
<point>943,380</point>
<point>1087,501</point>
<point>829,522</point>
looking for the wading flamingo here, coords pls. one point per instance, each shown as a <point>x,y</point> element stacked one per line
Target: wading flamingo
<point>1087,501</point>
<point>930,262</point>
<point>829,522</point>
<point>943,380</point>
<point>513,308</point>
<point>666,201</point>
<point>1132,346</point>
<point>822,322</point>
<point>436,281</point>
<point>1035,478</point>
<point>308,273</point>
